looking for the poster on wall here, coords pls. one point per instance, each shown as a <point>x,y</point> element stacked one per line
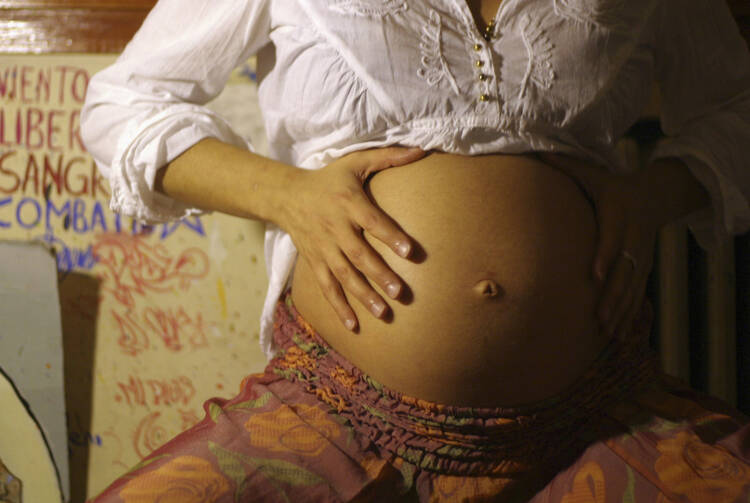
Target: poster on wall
<point>155,319</point>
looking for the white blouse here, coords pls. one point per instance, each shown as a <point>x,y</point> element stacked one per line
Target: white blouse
<point>342,75</point>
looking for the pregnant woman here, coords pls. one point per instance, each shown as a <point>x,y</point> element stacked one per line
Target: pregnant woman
<point>457,255</point>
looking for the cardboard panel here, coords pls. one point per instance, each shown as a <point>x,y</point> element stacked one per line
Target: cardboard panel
<point>27,472</point>
<point>31,356</point>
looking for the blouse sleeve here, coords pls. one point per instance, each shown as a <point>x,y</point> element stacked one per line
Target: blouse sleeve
<point>148,107</point>
<point>702,67</point>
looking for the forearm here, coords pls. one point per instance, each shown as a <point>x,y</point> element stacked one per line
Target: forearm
<point>669,189</point>
<point>216,176</point>
<point>673,190</point>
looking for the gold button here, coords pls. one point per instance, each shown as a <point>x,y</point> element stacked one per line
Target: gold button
<point>482,77</point>
<point>479,63</point>
<point>483,97</point>
<point>477,47</point>
<point>487,36</point>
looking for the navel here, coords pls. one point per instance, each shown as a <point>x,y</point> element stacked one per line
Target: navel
<point>487,288</point>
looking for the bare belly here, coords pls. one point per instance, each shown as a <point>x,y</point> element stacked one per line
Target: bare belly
<point>500,305</point>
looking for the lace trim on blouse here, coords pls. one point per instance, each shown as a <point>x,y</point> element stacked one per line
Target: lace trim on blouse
<point>368,9</point>
<point>434,67</point>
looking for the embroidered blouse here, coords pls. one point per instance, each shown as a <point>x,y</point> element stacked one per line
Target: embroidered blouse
<point>342,75</point>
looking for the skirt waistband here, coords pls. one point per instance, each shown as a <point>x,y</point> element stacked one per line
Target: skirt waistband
<point>462,440</point>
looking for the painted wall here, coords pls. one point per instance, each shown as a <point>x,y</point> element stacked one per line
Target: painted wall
<point>155,319</point>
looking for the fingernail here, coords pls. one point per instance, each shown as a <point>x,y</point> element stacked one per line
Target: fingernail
<point>393,290</point>
<point>349,324</point>
<point>403,249</point>
<point>377,308</point>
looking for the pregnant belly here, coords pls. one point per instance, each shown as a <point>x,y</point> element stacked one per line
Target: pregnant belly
<point>500,304</point>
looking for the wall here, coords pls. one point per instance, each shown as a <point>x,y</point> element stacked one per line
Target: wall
<point>155,319</point>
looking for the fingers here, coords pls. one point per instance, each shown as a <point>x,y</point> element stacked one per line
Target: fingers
<point>331,238</point>
<point>623,294</point>
<point>344,272</point>
<point>330,287</point>
<point>348,263</point>
<point>618,295</point>
<point>383,158</point>
<point>608,246</point>
<point>382,227</point>
<point>366,215</point>
<point>367,261</point>
<point>622,275</point>
<point>354,282</point>
<point>362,261</point>
<point>626,323</point>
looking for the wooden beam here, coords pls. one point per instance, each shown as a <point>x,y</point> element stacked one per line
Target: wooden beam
<point>24,31</point>
<point>86,26</point>
<point>78,4</point>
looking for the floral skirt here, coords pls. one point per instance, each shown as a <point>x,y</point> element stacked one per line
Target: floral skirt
<point>315,428</point>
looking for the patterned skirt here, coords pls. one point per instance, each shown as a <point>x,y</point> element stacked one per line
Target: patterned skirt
<point>315,428</point>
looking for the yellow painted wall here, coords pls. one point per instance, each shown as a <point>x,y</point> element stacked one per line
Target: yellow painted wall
<point>155,320</point>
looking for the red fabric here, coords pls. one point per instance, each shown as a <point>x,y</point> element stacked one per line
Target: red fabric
<point>313,427</point>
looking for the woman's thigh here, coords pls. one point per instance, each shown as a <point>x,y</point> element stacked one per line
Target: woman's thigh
<point>271,443</point>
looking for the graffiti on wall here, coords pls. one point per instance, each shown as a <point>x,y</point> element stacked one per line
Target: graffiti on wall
<point>163,291</point>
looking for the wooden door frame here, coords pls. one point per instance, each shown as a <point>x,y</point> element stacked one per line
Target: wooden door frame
<point>69,26</point>
<point>105,26</point>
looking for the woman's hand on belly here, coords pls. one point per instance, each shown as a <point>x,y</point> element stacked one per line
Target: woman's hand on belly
<point>627,224</point>
<point>327,212</point>
<point>501,303</point>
